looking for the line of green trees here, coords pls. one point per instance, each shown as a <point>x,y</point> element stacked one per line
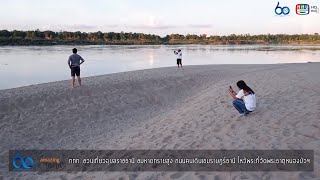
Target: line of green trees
<point>64,38</point>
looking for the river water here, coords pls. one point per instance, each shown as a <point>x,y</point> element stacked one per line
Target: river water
<point>27,65</point>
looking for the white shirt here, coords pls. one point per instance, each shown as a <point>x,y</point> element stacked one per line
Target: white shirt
<point>179,55</point>
<point>249,100</point>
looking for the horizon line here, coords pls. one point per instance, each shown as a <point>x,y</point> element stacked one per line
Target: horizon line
<point>232,34</point>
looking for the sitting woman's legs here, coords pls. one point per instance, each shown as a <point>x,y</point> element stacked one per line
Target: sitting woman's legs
<point>240,106</point>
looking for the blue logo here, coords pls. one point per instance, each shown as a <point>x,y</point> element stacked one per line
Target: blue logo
<point>281,10</point>
<point>22,163</point>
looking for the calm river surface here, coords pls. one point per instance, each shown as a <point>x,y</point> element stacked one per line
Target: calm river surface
<point>27,65</point>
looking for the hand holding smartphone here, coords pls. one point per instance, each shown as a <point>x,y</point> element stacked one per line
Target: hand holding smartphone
<point>230,89</point>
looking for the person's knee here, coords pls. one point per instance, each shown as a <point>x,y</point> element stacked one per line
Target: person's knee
<point>234,102</point>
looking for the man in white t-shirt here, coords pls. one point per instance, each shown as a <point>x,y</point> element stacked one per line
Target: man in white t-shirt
<point>179,58</point>
<point>244,100</point>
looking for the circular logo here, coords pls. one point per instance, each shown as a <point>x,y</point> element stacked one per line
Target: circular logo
<point>281,10</point>
<point>25,163</point>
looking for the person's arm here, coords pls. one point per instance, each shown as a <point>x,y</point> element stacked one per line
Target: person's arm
<point>233,93</point>
<point>69,62</point>
<point>82,60</point>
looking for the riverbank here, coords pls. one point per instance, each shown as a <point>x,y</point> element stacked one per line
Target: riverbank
<point>47,42</point>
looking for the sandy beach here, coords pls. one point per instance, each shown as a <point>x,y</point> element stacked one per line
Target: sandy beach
<point>166,108</point>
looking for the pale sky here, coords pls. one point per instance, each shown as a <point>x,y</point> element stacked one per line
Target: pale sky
<point>160,17</point>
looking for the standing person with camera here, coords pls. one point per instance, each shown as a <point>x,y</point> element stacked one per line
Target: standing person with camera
<point>179,58</point>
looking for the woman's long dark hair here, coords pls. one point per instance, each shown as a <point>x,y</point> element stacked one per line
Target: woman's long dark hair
<point>242,85</point>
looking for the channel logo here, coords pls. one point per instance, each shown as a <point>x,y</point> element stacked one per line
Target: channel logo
<point>302,9</point>
<point>20,163</point>
<point>285,10</point>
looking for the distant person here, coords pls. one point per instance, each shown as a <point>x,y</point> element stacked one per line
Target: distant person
<point>244,100</point>
<point>74,63</point>
<point>179,58</point>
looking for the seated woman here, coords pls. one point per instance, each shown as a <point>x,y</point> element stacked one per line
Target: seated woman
<point>244,100</point>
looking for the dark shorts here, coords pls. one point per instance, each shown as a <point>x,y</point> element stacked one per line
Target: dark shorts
<point>75,71</point>
<point>179,61</point>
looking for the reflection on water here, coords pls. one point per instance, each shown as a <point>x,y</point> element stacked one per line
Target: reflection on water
<point>151,57</point>
<point>26,65</point>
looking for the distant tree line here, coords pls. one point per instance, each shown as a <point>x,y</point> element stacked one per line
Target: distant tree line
<point>64,38</point>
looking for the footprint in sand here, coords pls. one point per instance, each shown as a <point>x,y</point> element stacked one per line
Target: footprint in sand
<point>133,176</point>
<point>176,146</point>
<point>51,123</point>
<point>251,131</point>
<point>122,178</point>
<point>286,132</point>
<point>166,139</point>
<point>307,175</point>
<point>176,175</point>
<point>180,134</point>
<point>266,176</point>
<point>202,177</point>
<point>246,177</point>
<point>278,123</point>
<point>77,178</point>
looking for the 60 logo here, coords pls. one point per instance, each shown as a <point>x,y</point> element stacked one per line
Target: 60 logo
<point>281,10</point>
<point>22,163</point>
